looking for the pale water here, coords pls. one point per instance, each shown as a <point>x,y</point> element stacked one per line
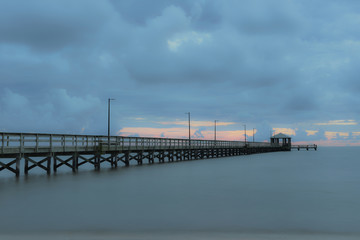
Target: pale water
<point>298,195</point>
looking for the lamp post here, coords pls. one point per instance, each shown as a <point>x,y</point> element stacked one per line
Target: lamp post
<point>188,113</point>
<point>245,133</point>
<point>253,135</point>
<point>110,99</point>
<point>215,130</point>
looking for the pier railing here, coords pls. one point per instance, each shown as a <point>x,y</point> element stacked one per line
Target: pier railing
<point>14,143</point>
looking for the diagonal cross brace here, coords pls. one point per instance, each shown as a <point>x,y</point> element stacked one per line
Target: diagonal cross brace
<point>63,162</point>
<point>8,166</point>
<point>36,164</point>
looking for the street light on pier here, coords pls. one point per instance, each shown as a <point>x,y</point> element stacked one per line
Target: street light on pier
<point>253,135</point>
<point>215,130</point>
<point>245,133</point>
<point>110,99</point>
<point>188,113</point>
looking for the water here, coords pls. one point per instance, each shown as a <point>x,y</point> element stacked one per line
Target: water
<point>284,195</point>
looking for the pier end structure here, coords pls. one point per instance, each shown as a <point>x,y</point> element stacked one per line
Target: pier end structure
<point>281,140</point>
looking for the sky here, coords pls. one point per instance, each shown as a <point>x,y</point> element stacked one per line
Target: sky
<point>269,66</point>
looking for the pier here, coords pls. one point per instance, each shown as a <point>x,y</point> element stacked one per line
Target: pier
<point>307,147</point>
<point>52,151</point>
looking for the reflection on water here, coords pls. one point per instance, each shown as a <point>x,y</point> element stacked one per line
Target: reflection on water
<point>287,192</point>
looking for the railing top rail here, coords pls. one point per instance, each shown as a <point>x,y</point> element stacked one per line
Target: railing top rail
<point>14,134</point>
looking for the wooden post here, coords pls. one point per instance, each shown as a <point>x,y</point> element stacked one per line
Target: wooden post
<point>127,163</point>
<point>97,161</point>
<point>21,143</point>
<point>26,167</point>
<point>37,142</point>
<point>54,162</point>
<point>2,143</point>
<point>75,162</point>
<point>48,165</point>
<point>51,143</point>
<point>114,160</point>
<point>18,165</point>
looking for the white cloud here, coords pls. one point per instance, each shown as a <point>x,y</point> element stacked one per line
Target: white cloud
<point>187,38</point>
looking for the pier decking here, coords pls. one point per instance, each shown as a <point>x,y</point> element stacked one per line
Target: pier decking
<point>51,151</point>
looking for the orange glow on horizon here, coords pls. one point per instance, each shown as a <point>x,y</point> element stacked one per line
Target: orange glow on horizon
<point>156,132</point>
<point>198,123</point>
<point>237,135</point>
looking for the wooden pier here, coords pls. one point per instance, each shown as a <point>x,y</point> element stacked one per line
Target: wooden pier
<point>52,151</point>
<point>307,147</point>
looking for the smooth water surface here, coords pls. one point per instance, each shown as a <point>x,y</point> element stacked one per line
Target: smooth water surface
<point>261,195</point>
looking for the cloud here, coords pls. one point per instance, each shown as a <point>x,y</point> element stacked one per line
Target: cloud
<point>61,112</point>
<point>338,122</point>
<point>311,132</point>
<point>262,17</point>
<point>155,132</point>
<point>56,27</point>
<point>355,134</point>
<point>198,123</point>
<point>267,63</point>
<point>189,37</point>
<point>182,133</point>
<point>287,131</point>
<point>336,135</point>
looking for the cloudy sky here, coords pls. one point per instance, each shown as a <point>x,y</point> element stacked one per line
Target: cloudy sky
<point>273,65</point>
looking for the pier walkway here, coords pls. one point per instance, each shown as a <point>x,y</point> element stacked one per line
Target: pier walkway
<point>51,151</point>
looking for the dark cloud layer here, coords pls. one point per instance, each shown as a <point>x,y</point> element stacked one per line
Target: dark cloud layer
<point>264,63</point>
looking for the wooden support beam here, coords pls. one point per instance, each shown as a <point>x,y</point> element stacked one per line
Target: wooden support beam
<point>139,157</point>
<point>151,156</point>
<point>66,162</point>
<point>31,163</point>
<point>75,162</point>
<point>114,160</point>
<point>127,156</point>
<point>97,161</point>
<point>161,157</point>
<point>8,166</point>
<point>90,160</point>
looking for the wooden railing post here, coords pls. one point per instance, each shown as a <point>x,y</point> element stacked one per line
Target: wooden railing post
<point>2,142</point>
<point>21,143</point>
<point>51,143</point>
<point>37,142</point>
<point>63,142</point>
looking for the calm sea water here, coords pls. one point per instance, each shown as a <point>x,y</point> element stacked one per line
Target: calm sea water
<point>262,196</point>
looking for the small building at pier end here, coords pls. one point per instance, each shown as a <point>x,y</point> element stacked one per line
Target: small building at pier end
<point>281,139</point>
